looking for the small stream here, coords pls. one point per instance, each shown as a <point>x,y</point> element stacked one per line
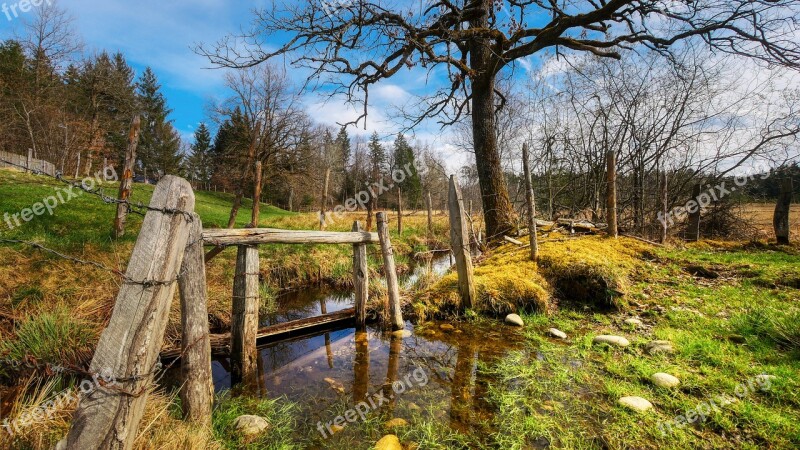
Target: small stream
<point>329,372</point>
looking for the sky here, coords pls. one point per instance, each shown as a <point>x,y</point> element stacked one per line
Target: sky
<point>162,34</point>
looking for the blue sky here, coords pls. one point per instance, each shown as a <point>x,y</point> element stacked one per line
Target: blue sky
<point>161,34</point>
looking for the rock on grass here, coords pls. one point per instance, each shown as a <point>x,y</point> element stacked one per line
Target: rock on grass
<point>617,341</point>
<point>636,403</point>
<point>665,380</point>
<point>388,442</point>
<point>515,320</point>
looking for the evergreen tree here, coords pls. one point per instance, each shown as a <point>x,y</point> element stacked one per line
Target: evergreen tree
<point>344,151</point>
<point>200,159</point>
<point>159,143</point>
<point>404,161</point>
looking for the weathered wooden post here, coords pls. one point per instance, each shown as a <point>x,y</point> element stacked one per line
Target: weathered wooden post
<point>126,183</point>
<point>197,392</point>
<point>531,200</point>
<point>256,196</point>
<point>323,209</point>
<point>395,311</point>
<point>430,215</point>
<point>399,211</point>
<point>108,417</point>
<point>693,233</point>
<point>360,279</point>
<point>664,206</point>
<point>782,209</point>
<point>459,242</point>
<point>611,193</point>
<point>244,321</point>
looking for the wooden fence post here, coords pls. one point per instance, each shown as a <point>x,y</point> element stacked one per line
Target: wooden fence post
<point>693,233</point>
<point>399,211</point>
<point>256,196</point>
<point>531,200</point>
<point>126,183</point>
<point>324,201</point>
<point>244,321</point>
<point>108,417</point>
<point>782,209</point>
<point>611,193</point>
<point>395,311</point>
<point>197,392</point>
<point>430,215</point>
<point>459,242</point>
<point>360,279</point>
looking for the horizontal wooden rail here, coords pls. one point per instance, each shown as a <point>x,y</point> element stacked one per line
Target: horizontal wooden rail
<point>256,236</point>
<point>220,343</point>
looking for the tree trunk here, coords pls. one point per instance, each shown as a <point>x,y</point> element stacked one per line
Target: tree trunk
<point>497,208</point>
<point>664,206</point>
<point>611,193</point>
<point>256,196</point>
<point>237,203</point>
<point>781,218</point>
<point>399,211</point>
<point>531,200</point>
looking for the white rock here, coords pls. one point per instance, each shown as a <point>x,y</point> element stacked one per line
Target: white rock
<point>513,319</point>
<point>618,341</point>
<point>556,333</point>
<point>250,425</point>
<point>636,323</point>
<point>636,403</point>
<point>664,380</point>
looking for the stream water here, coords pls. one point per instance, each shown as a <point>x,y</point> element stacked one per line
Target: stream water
<point>329,372</point>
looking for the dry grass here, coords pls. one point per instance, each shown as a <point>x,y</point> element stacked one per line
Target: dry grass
<point>759,215</point>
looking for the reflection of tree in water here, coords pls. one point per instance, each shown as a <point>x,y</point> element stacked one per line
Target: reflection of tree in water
<point>305,303</point>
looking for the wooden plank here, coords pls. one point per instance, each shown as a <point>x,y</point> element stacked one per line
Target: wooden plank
<point>197,391</point>
<point>109,416</point>
<point>360,279</point>
<point>531,202</point>
<point>395,312</point>
<point>459,242</point>
<point>244,319</point>
<point>220,343</point>
<point>256,236</point>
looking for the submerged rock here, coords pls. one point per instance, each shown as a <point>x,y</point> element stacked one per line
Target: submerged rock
<point>636,403</point>
<point>556,333</point>
<point>618,341</point>
<point>664,380</point>
<point>389,442</point>
<point>655,347</point>
<point>515,320</point>
<point>335,385</point>
<point>446,327</point>
<point>402,334</point>
<point>250,425</point>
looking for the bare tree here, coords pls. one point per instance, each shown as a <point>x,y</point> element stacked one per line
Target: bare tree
<point>363,42</point>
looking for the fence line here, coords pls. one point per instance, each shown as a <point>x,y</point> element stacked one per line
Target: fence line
<point>27,163</point>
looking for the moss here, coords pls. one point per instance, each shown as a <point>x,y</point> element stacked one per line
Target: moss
<point>592,271</point>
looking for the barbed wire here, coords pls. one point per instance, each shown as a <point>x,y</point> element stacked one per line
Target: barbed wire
<point>137,208</point>
<point>101,266</point>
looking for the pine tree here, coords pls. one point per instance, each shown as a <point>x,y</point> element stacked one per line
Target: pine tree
<point>344,151</point>
<point>159,143</point>
<point>404,161</point>
<point>200,160</point>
